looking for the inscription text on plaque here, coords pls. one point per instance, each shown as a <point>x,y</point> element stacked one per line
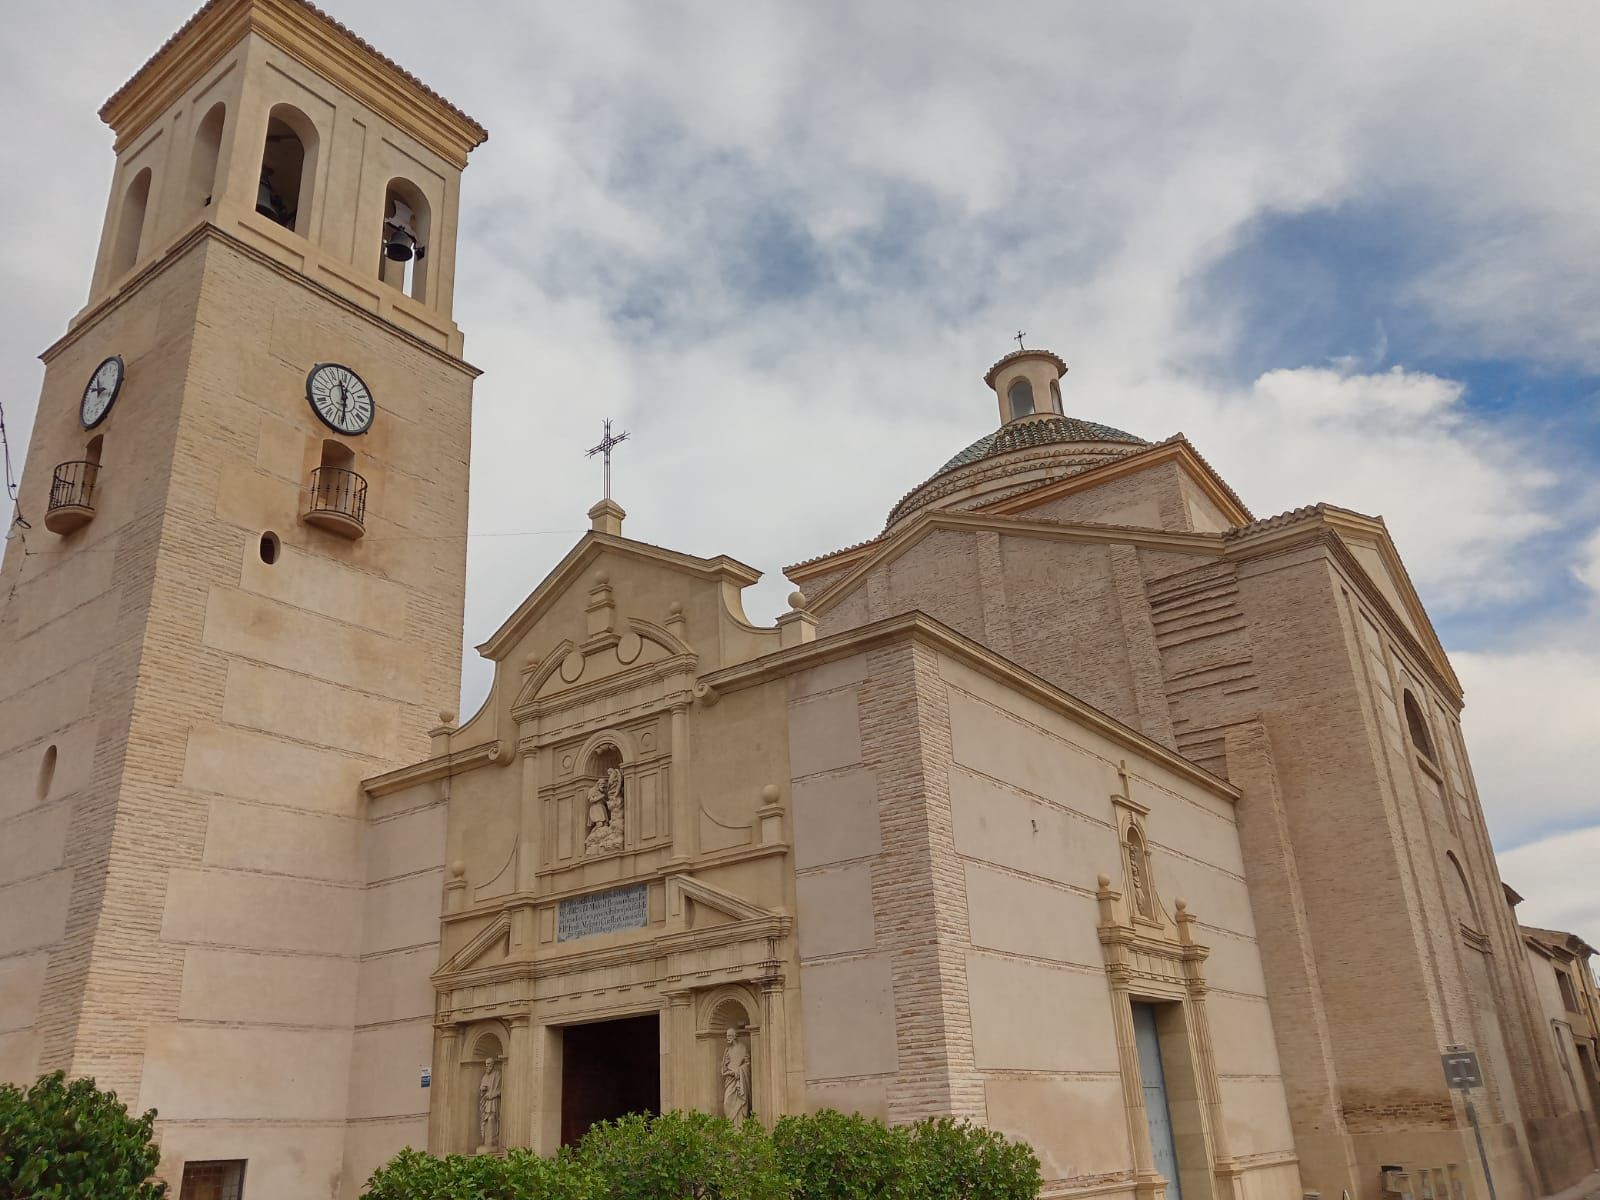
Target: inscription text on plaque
<point>602,912</point>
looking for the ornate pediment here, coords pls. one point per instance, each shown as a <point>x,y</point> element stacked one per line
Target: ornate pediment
<point>489,947</point>
<point>611,656</point>
<point>694,904</point>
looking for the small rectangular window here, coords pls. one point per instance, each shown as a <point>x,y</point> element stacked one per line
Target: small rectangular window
<point>1569,995</point>
<point>220,1179</point>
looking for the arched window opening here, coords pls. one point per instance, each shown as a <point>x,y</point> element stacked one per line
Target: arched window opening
<point>406,220</point>
<point>1466,910</point>
<point>1055,397</point>
<point>1020,397</point>
<point>288,166</point>
<point>203,157</point>
<point>1417,727</point>
<point>130,224</point>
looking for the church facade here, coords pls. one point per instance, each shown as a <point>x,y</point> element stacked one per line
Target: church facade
<point>1078,802</point>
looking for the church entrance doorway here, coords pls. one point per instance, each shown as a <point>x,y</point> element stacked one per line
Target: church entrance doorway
<point>608,1069</point>
<point>1158,1113</point>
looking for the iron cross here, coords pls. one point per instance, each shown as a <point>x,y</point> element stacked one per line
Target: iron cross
<point>607,444</point>
<point>1017,338</point>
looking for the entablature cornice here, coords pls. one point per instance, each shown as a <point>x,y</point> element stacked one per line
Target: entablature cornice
<point>438,767</point>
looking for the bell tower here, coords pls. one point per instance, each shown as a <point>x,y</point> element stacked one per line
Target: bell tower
<point>236,591</point>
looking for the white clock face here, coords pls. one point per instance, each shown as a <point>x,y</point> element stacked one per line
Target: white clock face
<point>340,397</point>
<point>101,391</point>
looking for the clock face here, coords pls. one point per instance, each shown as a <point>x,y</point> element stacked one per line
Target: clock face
<point>340,398</point>
<point>101,392</point>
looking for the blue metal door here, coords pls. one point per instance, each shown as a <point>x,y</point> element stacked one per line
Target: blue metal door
<point>1155,1097</point>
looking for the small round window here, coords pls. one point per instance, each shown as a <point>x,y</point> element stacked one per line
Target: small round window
<point>270,546</point>
<point>47,771</point>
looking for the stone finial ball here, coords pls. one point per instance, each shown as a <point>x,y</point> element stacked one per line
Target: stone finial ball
<point>770,794</point>
<point>447,716</point>
<point>1181,905</point>
<point>797,601</point>
<point>457,869</point>
<point>601,579</point>
<point>1104,881</point>
<point>675,608</point>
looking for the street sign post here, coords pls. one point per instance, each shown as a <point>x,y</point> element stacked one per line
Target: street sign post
<point>1462,1073</point>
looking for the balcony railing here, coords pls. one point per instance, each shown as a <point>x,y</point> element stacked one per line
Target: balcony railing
<point>71,496</point>
<point>338,501</point>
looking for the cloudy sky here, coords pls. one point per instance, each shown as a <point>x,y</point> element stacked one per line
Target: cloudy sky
<point>1348,248</point>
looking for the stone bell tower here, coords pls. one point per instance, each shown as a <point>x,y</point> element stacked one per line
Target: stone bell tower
<point>237,591</point>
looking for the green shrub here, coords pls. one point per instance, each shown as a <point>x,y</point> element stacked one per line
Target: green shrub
<point>695,1156</point>
<point>831,1156</point>
<point>71,1141</point>
<point>520,1175</point>
<point>683,1156</point>
<point>953,1160</point>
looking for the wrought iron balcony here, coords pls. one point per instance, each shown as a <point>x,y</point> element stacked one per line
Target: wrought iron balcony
<point>338,501</point>
<point>71,496</point>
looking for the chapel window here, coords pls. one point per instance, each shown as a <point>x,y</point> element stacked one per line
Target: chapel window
<point>288,166</point>
<point>203,157</point>
<point>1020,396</point>
<point>1417,727</point>
<point>130,223</point>
<point>406,216</point>
<point>219,1179</point>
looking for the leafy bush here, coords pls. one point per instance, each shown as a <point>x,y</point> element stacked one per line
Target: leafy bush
<point>71,1141</point>
<point>695,1156</point>
<point>683,1156</point>
<point>520,1175</point>
<point>831,1156</point>
<point>953,1160</point>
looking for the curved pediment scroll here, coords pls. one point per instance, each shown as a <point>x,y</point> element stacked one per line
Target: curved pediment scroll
<point>638,647</point>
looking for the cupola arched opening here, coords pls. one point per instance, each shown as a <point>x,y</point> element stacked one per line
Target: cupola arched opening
<point>1055,398</point>
<point>288,169</point>
<point>1020,397</point>
<point>407,218</point>
<point>130,224</point>
<point>203,156</point>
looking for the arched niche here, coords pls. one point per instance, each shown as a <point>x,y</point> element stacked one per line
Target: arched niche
<point>407,231</point>
<point>130,223</point>
<point>203,155</point>
<point>288,169</point>
<point>732,1007</point>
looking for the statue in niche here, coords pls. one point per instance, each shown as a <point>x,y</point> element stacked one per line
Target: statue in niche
<point>736,1077</point>
<point>603,825</point>
<point>489,1107</point>
<point>1136,880</point>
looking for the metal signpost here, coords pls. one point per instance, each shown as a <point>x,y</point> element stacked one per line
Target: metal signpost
<point>1462,1073</point>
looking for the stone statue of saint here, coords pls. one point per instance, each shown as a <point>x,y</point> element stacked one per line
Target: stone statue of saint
<point>1141,894</point>
<point>489,1107</point>
<point>736,1077</point>
<point>604,823</point>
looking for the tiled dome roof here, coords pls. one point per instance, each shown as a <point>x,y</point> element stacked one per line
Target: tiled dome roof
<point>1038,431</point>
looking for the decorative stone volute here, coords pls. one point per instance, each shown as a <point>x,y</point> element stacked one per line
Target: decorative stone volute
<point>1027,383</point>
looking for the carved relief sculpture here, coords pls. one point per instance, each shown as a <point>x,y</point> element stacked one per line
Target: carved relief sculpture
<point>736,1077</point>
<point>1136,880</point>
<point>489,1107</point>
<point>604,819</point>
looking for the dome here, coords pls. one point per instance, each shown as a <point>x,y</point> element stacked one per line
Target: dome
<point>1041,431</point>
<point>1022,453</point>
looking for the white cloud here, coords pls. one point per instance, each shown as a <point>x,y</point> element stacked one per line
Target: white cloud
<point>948,172</point>
<point>1559,879</point>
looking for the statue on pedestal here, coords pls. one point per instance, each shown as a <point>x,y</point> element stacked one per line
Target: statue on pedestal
<point>736,1077</point>
<point>489,1107</point>
<point>603,831</point>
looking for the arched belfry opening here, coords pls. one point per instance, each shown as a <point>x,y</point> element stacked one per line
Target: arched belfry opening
<point>1020,397</point>
<point>406,220</point>
<point>288,168</point>
<point>203,156</point>
<point>130,223</point>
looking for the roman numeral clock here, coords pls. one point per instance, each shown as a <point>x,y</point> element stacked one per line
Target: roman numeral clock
<point>340,398</point>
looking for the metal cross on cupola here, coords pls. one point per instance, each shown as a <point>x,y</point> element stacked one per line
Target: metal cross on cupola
<point>607,443</point>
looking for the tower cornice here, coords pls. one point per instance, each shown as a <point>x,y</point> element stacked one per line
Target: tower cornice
<point>309,35</point>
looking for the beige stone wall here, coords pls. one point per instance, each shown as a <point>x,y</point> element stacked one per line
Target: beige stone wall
<point>948,836</point>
